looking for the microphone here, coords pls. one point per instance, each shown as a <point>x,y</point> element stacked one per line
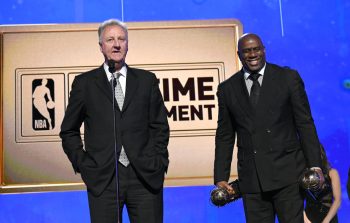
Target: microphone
<point>112,69</point>
<point>111,66</point>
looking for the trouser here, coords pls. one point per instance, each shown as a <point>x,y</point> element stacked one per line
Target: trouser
<point>143,205</point>
<point>286,203</point>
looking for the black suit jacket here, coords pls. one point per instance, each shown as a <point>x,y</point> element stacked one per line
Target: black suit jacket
<point>141,127</point>
<point>274,140</point>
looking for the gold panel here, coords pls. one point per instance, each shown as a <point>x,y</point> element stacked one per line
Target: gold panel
<point>190,58</point>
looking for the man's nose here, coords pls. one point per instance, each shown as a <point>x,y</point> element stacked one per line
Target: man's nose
<point>253,53</point>
<point>116,44</point>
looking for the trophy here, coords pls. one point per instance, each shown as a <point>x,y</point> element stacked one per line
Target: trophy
<point>311,182</point>
<point>220,196</point>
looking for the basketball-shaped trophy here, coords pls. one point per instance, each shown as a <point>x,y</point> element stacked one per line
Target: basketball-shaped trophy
<point>310,181</point>
<point>220,196</point>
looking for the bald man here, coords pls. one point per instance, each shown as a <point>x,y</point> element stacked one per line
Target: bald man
<point>266,107</point>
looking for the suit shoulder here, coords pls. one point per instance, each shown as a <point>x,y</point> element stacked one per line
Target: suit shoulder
<point>281,69</point>
<point>88,74</point>
<point>142,73</point>
<point>286,75</point>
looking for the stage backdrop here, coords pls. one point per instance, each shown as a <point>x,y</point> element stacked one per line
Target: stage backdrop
<point>37,77</point>
<point>310,36</point>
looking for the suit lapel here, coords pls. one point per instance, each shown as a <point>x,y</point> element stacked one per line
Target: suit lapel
<point>267,93</point>
<point>131,86</point>
<point>102,82</point>
<point>241,91</point>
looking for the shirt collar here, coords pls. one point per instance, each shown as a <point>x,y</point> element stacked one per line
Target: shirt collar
<point>261,72</point>
<point>122,71</point>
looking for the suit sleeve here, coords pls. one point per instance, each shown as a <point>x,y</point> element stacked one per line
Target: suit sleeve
<point>224,140</point>
<point>304,121</point>
<point>70,129</point>
<point>158,123</point>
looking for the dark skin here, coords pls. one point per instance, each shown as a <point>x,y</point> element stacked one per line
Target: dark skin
<point>251,52</point>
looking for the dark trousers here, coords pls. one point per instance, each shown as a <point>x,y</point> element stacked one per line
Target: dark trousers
<point>143,204</point>
<point>286,203</point>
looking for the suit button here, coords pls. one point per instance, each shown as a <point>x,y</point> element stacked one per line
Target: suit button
<point>268,130</point>
<point>255,151</point>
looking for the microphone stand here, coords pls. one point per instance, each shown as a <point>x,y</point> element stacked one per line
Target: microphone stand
<point>112,70</point>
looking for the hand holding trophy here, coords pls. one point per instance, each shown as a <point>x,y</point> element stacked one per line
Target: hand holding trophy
<point>220,196</point>
<point>312,183</point>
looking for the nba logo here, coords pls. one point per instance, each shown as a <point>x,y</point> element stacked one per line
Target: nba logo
<point>43,105</point>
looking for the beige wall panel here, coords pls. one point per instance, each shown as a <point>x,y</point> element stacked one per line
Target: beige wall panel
<point>194,54</point>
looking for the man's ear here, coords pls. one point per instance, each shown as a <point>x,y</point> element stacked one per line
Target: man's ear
<point>100,44</point>
<point>239,55</point>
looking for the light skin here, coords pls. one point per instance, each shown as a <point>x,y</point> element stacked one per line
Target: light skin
<point>333,173</point>
<point>114,45</point>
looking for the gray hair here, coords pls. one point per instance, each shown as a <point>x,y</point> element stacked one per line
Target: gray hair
<point>111,22</point>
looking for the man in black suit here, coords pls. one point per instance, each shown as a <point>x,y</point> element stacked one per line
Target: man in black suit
<point>265,106</point>
<point>125,134</point>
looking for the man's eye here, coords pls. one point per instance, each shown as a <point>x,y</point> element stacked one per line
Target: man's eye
<point>255,49</point>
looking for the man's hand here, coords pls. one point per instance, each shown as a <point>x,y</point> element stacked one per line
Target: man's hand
<point>226,186</point>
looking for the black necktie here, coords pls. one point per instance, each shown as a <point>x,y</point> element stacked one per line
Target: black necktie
<point>255,90</point>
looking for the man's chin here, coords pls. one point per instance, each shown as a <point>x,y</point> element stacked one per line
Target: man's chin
<point>117,60</point>
<point>255,68</point>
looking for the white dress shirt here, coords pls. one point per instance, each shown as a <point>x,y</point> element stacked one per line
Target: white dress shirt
<point>122,78</point>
